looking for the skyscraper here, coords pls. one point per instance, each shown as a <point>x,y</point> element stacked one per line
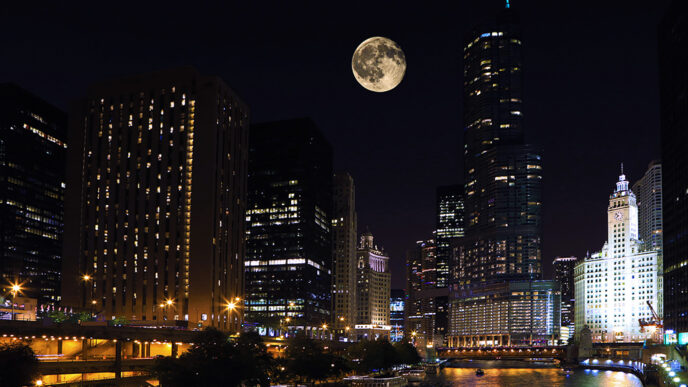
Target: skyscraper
<point>427,304</point>
<point>289,247</point>
<point>33,151</point>
<point>156,196</point>
<point>614,286</point>
<point>450,213</point>
<point>503,175</point>
<point>673,88</point>
<point>648,192</point>
<point>344,311</point>
<point>373,287</point>
<point>563,273</point>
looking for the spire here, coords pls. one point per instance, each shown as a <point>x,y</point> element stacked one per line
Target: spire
<point>622,168</point>
<point>622,184</point>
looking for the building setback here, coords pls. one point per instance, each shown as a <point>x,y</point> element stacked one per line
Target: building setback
<point>344,226</point>
<point>616,286</point>
<point>373,287</point>
<point>33,149</point>
<point>156,197</point>
<point>289,247</point>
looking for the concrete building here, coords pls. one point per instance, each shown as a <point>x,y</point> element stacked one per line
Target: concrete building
<point>344,226</point>
<point>33,152</point>
<point>648,191</point>
<point>373,287</point>
<point>156,192</point>
<point>615,286</point>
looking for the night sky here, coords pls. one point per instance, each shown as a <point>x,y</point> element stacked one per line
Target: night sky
<point>591,98</point>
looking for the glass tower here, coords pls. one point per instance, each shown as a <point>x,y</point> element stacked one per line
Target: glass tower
<point>450,213</point>
<point>289,246</point>
<point>673,83</point>
<point>33,152</point>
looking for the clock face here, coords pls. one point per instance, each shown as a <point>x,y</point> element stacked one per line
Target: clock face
<point>618,215</point>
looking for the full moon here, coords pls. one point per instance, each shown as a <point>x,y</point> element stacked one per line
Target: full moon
<point>378,64</point>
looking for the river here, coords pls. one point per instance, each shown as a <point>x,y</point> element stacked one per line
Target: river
<point>497,375</point>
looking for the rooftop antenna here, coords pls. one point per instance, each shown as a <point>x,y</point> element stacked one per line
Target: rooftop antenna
<point>622,168</point>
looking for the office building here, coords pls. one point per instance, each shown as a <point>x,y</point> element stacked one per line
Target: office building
<point>33,149</point>
<point>502,174</point>
<point>621,284</point>
<point>648,191</point>
<point>344,311</point>
<point>450,213</point>
<point>563,274</point>
<point>397,304</point>
<point>373,286</point>
<point>289,217</point>
<point>156,187</point>
<point>427,304</point>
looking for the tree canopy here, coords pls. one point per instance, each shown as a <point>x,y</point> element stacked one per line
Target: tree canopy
<point>19,365</point>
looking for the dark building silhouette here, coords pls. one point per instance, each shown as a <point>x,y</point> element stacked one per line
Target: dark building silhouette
<point>563,273</point>
<point>673,92</point>
<point>289,248</point>
<point>503,186</point>
<point>156,198</point>
<point>33,148</point>
<point>450,215</point>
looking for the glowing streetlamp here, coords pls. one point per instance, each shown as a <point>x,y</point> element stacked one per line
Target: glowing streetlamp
<point>16,288</point>
<point>87,278</point>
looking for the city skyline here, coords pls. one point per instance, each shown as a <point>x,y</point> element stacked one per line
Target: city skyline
<point>284,94</point>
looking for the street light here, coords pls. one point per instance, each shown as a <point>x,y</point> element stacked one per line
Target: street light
<point>16,288</point>
<point>230,307</point>
<point>87,278</point>
<point>164,305</point>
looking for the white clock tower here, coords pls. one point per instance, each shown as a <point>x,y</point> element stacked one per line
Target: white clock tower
<point>622,220</point>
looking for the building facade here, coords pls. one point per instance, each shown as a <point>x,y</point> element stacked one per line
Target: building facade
<point>344,226</point>
<point>33,152</point>
<point>397,309</point>
<point>289,217</point>
<point>648,191</point>
<point>450,213</point>
<point>502,174</point>
<point>514,313</point>
<point>156,186</point>
<point>673,88</point>
<point>373,287</point>
<point>427,304</point>
<point>619,285</point>
<point>563,273</point>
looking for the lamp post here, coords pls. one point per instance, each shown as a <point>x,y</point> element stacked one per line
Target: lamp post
<point>87,278</point>
<point>230,307</point>
<point>15,289</point>
<point>164,305</point>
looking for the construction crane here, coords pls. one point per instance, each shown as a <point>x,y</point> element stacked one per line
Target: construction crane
<point>654,325</point>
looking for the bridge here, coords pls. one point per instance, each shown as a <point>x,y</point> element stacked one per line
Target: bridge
<point>503,353</point>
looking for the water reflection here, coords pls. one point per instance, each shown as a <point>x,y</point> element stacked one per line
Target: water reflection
<point>532,377</point>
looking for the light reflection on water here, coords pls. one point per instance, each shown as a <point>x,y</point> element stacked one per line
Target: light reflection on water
<point>525,377</point>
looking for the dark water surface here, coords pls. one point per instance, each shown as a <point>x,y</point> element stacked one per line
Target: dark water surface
<point>530,377</point>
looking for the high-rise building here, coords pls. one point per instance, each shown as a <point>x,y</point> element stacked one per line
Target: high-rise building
<point>397,309</point>
<point>673,88</point>
<point>289,247</point>
<point>33,150</point>
<point>427,304</point>
<point>621,284</point>
<point>373,286</point>
<point>648,191</point>
<point>502,174</point>
<point>563,273</point>
<point>344,226</point>
<point>156,187</point>
<point>450,213</point>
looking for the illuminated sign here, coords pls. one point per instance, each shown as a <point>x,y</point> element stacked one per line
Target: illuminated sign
<point>670,338</point>
<point>683,338</point>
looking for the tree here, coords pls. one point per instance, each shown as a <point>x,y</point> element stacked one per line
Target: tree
<point>407,353</point>
<point>217,360</point>
<point>19,365</point>
<point>373,356</point>
<point>306,360</point>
